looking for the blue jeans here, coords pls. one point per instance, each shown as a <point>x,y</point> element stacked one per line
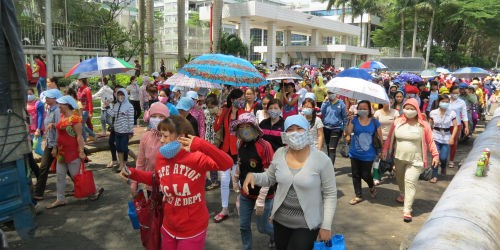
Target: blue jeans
<point>86,130</point>
<point>444,150</point>
<point>41,85</point>
<point>263,226</point>
<point>105,119</point>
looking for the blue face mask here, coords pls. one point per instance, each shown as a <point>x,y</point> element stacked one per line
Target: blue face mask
<point>170,149</point>
<point>31,98</point>
<point>307,111</point>
<point>444,105</point>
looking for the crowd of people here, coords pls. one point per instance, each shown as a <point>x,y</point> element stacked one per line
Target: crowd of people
<point>274,145</point>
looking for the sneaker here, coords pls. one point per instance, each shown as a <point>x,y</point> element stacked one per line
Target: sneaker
<point>451,164</point>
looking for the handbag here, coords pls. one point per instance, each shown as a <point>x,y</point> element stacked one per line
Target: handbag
<point>344,148</point>
<point>336,243</point>
<point>385,166</point>
<point>150,216</point>
<point>426,174</point>
<point>53,165</point>
<point>377,141</point>
<point>84,182</point>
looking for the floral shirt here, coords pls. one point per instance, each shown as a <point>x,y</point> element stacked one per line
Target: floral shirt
<point>67,143</point>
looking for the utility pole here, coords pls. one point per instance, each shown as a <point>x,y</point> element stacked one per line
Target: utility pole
<point>48,38</point>
<point>498,55</point>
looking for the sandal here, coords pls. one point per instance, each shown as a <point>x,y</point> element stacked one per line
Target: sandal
<point>220,217</point>
<point>111,164</point>
<point>407,217</point>
<point>400,199</point>
<point>433,180</point>
<point>355,200</point>
<point>97,195</point>
<point>56,204</point>
<point>373,192</point>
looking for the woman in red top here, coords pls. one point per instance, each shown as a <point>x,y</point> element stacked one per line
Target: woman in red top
<point>290,101</point>
<point>69,148</point>
<point>181,166</point>
<point>84,95</point>
<point>251,105</point>
<point>234,107</point>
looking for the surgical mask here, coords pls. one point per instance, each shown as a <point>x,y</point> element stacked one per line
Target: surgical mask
<point>273,113</point>
<point>411,95</point>
<point>363,113</point>
<point>163,99</point>
<point>154,121</point>
<point>296,140</point>
<point>247,134</point>
<point>409,113</point>
<point>239,103</point>
<point>170,149</point>
<point>454,96</point>
<point>307,111</point>
<point>444,105</point>
<point>31,98</point>
<point>332,97</point>
<point>121,98</point>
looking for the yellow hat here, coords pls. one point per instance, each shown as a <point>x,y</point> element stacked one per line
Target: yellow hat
<point>444,91</point>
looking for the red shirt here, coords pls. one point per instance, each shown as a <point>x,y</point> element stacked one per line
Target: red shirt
<point>42,70</point>
<point>229,139</point>
<point>29,72</point>
<point>84,95</point>
<point>182,181</point>
<point>67,143</point>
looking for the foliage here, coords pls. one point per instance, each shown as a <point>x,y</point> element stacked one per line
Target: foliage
<point>231,44</point>
<point>194,20</point>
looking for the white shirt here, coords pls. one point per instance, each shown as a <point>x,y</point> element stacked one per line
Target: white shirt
<point>460,109</point>
<point>313,131</point>
<point>442,121</point>
<point>105,93</point>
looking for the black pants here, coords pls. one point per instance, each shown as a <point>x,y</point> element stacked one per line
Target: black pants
<point>294,238</point>
<point>137,110</point>
<point>112,147</point>
<point>41,180</point>
<point>361,170</point>
<point>32,164</point>
<point>332,138</point>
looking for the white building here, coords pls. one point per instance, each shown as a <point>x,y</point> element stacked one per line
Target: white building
<point>277,33</point>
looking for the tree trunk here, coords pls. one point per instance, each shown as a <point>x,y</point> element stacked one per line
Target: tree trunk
<point>150,29</point>
<point>429,41</point>
<point>141,5</point>
<point>342,17</point>
<point>414,42</point>
<point>181,31</point>
<point>402,37</point>
<point>369,32</point>
<point>217,24</point>
<point>360,44</point>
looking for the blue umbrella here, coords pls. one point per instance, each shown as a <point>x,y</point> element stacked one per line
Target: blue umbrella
<point>223,69</point>
<point>355,73</point>
<point>442,70</point>
<point>409,77</point>
<point>470,72</point>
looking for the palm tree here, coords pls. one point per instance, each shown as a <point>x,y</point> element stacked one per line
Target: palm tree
<point>181,31</point>
<point>415,4</point>
<point>231,44</point>
<point>336,4</point>
<point>358,9</point>
<point>150,28</point>
<point>372,8</point>
<point>434,5</point>
<point>401,6</point>
<point>216,24</point>
<point>142,17</point>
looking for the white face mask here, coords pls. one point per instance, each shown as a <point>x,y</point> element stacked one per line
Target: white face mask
<point>154,121</point>
<point>296,140</point>
<point>410,113</point>
<point>121,98</point>
<point>454,96</point>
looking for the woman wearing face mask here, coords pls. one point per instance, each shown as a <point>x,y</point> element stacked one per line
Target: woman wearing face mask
<point>254,156</point>
<point>35,109</point>
<point>163,97</point>
<point>235,105</point>
<point>105,94</point>
<point>144,96</point>
<point>433,96</point>
<point>251,105</point>
<point>290,100</point>
<point>273,126</point>
<point>460,107</point>
<point>180,169</point>
<point>150,142</point>
<point>315,123</point>
<point>263,114</point>
<point>306,195</point>
<point>385,116</point>
<point>399,99</point>
<point>335,120</point>
<point>211,115</point>
<point>133,91</point>
<point>362,152</point>
<point>442,120</point>
<point>123,125</point>
<point>409,140</point>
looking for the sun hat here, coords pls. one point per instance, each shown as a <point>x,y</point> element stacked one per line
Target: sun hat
<point>185,103</point>
<point>310,96</point>
<point>192,94</point>
<point>52,93</point>
<point>246,118</point>
<point>155,74</point>
<point>298,120</point>
<point>444,91</point>
<point>67,100</point>
<point>159,108</point>
<point>463,85</point>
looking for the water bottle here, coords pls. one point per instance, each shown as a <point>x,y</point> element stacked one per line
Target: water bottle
<point>480,168</point>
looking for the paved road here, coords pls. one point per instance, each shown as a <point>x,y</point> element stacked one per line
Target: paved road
<point>83,224</point>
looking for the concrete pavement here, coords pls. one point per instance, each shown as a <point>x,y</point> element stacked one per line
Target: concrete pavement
<point>104,224</point>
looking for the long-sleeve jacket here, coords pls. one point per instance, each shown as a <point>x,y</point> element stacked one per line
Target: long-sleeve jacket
<point>428,144</point>
<point>223,122</point>
<point>149,146</point>
<point>84,95</point>
<point>334,114</point>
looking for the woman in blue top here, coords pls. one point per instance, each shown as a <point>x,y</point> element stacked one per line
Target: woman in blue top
<point>362,152</point>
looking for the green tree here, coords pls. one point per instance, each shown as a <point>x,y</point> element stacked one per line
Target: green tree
<point>336,4</point>
<point>231,44</point>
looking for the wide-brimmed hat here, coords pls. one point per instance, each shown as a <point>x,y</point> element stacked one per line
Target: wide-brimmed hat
<point>246,118</point>
<point>298,120</point>
<point>444,91</point>
<point>68,100</point>
<point>185,103</point>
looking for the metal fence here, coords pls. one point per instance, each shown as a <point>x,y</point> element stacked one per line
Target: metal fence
<point>63,35</point>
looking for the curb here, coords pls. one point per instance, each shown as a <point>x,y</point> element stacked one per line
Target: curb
<point>98,147</point>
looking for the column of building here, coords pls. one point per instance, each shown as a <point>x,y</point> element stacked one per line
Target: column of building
<point>271,44</point>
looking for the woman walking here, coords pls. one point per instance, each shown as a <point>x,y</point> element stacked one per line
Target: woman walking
<point>364,129</point>
<point>84,95</point>
<point>443,121</point>
<point>70,144</point>
<point>409,140</point>
<point>123,125</point>
<point>133,90</point>
<point>306,195</point>
<point>316,125</point>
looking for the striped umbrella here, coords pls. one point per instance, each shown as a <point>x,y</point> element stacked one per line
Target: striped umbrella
<point>99,66</point>
<point>372,65</point>
<point>282,74</point>
<point>223,69</point>
<point>179,79</point>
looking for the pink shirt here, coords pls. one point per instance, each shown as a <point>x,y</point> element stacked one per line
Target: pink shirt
<point>200,117</point>
<point>148,150</point>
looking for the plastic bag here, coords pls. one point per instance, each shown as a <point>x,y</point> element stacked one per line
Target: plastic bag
<point>132,214</point>
<point>37,145</point>
<point>336,243</point>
